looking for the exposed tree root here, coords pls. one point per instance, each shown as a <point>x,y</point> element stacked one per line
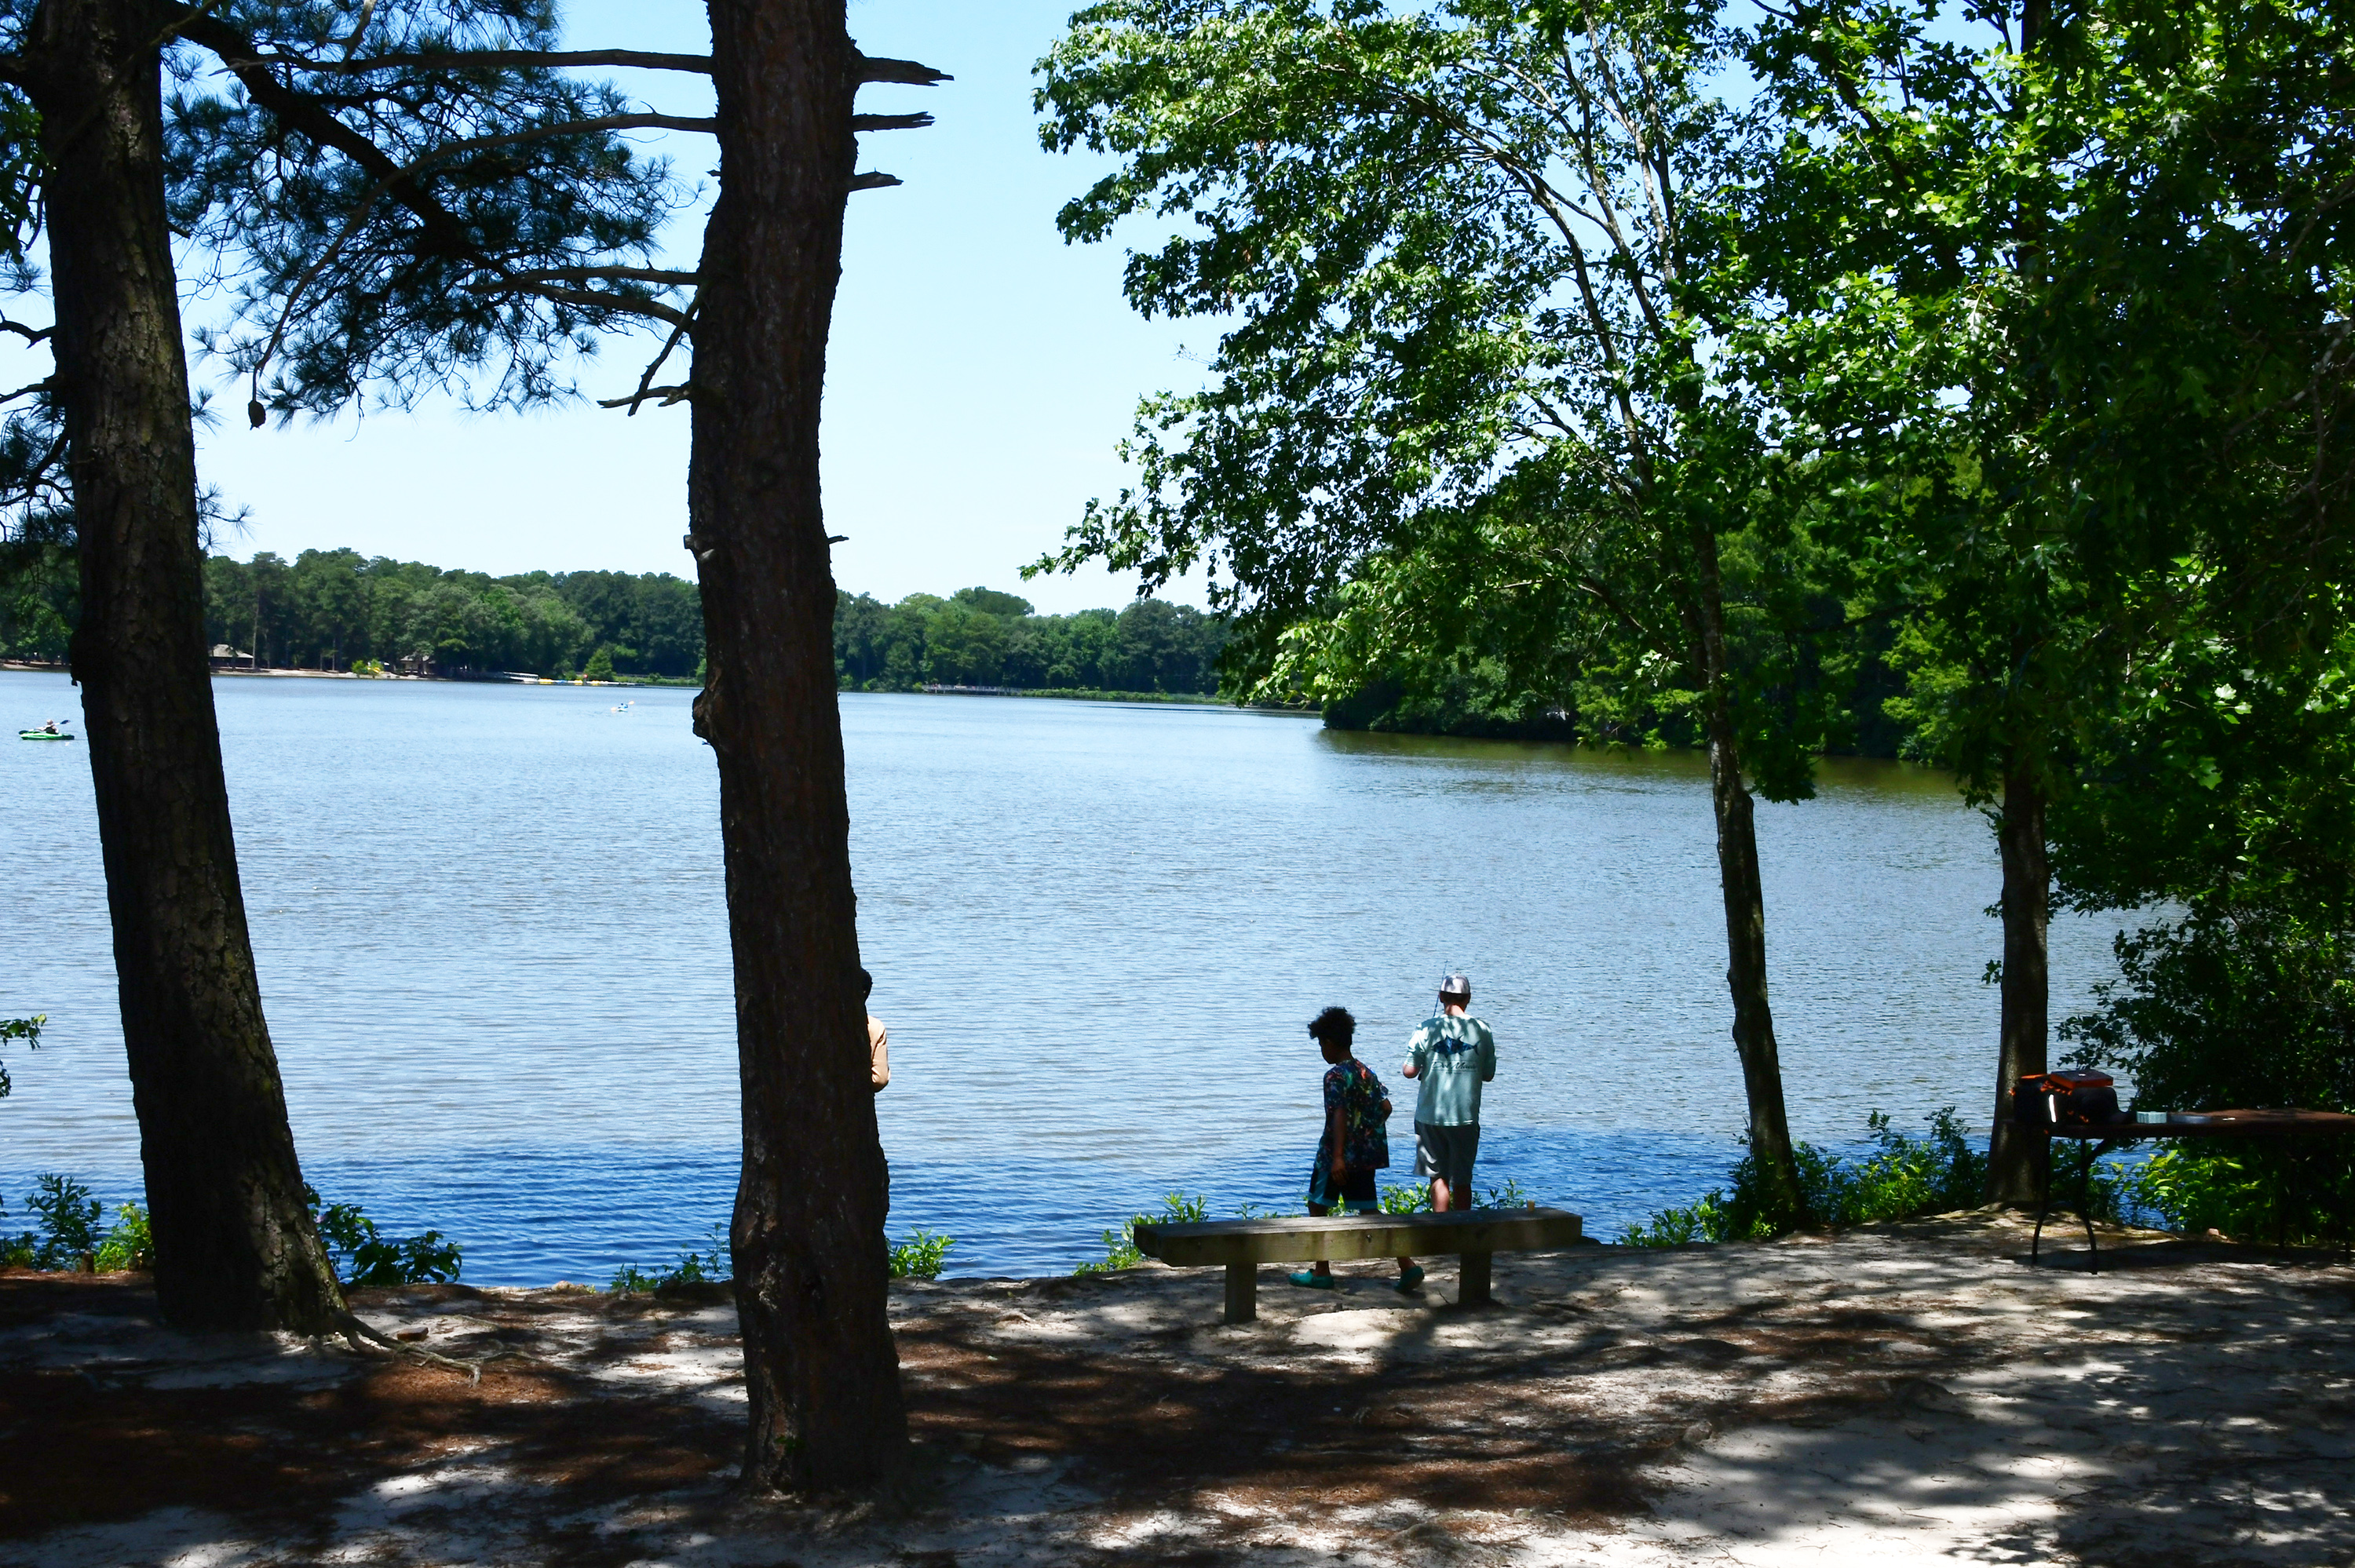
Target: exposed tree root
<point>364,1338</point>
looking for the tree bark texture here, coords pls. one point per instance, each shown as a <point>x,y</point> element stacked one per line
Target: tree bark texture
<point>235,1247</point>
<point>1745,901</point>
<point>2016,1160</point>
<point>811,1272</point>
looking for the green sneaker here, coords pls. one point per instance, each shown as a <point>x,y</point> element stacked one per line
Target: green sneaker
<point>1309,1279</point>
<point>1412,1279</point>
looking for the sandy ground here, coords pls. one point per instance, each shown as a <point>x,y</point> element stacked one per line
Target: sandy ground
<point>1909,1394</point>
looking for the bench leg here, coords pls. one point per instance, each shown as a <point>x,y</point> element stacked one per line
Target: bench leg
<point>1472,1287</point>
<point>1242,1293</point>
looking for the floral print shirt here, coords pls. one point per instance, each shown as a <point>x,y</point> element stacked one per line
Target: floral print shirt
<point>1351,1089</point>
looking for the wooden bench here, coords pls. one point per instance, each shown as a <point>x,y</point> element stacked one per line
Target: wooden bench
<point>1473,1234</point>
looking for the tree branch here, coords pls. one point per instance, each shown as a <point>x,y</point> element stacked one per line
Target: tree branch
<point>566,128</point>
<point>646,382</point>
<point>890,122</point>
<point>668,395</point>
<point>908,73</point>
<point>458,60</point>
<point>633,274</point>
<point>874,182</point>
<point>590,298</point>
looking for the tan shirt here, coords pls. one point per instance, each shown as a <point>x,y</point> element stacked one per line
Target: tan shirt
<point>879,1042</point>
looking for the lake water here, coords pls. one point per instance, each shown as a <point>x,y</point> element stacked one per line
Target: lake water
<point>490,928</point>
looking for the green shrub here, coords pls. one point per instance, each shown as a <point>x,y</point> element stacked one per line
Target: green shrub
<point>1511,1195</point>
<point>2244,1190</point>
<point>2236,1005</point>
<point>129,1245</point>
<point>1910,1175</point>
<point>920,1256</point>
<point>1405,1199</point>
<point>68,1219</point>
<point>1120,1245</point>
<point>365,1259</point>
<point>601,666</point>
<point>709,1265</point>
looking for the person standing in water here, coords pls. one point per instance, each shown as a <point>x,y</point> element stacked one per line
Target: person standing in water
<point>1450,1056</point>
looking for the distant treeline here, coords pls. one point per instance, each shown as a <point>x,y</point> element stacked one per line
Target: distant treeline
<point>334,608</point>
<point>980,636</point>
<point>330,608</point>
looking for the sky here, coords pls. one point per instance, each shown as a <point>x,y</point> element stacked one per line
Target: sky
<point>981,376</point>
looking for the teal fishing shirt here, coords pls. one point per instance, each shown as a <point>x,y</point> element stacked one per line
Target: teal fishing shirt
<point>1452,1057</point>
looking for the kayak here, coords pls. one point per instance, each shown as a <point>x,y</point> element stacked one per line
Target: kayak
<point>42,734</point>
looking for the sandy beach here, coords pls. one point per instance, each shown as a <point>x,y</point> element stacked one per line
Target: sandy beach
<point>1896,1395</point>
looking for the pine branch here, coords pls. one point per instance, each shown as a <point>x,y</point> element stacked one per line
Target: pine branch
<point>647,381</point>
<point>631,274</point>
<point>906,73</point>
<point>461,60</point>
<point>566,128</point>
<point>669,395</point>
<point>590,299</point>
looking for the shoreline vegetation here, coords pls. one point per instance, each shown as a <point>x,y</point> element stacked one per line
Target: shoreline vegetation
<point>2221,1195</point>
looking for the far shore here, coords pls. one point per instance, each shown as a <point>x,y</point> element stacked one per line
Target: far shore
<point>519,678</point>
<point>1914,1392</point>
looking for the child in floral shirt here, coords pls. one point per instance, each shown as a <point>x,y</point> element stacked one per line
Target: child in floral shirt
<point>1356,1144</point>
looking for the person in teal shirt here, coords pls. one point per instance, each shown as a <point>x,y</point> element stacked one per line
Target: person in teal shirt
<point>1449,1056</point>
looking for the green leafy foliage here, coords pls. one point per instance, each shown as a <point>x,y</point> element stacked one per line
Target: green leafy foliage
<point>980,636</point>
<point>1120,1245</point>
<point>600,666</point>
<point>68,1218</point>
<point>365,1259</point>
<point>1911,1175</point>
<point>68,1232</point>
<point>708,1264</point>
<point>27,1030</point>
<point>129,1244</point>
<point>922,1255</point>
<point>338,608</point>
<point>2244,1191</point>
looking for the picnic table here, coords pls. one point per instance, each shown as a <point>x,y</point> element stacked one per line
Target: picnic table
<point>1242,1245</point>
<point>2098,1137</point>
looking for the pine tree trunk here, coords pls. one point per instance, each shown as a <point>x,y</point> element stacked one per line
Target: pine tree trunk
<point>2016,1160</point>
<point>812,1279</point>
<point>235,1247</point>
<point>1745,903</point>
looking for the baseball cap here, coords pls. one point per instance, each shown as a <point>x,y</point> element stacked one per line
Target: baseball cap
<point>1456,985</point>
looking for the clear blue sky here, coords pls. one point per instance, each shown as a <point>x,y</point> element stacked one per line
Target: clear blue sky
<point>981,373</point>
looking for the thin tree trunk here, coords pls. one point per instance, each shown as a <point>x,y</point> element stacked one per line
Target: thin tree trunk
<point>2015,1159</point>
<point>812,1278</point>
<point>2015,1163</point>
<point>235,1247</point>
<point>1745,903</point>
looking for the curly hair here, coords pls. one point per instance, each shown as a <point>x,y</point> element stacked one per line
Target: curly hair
<point>1334,1025</point>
